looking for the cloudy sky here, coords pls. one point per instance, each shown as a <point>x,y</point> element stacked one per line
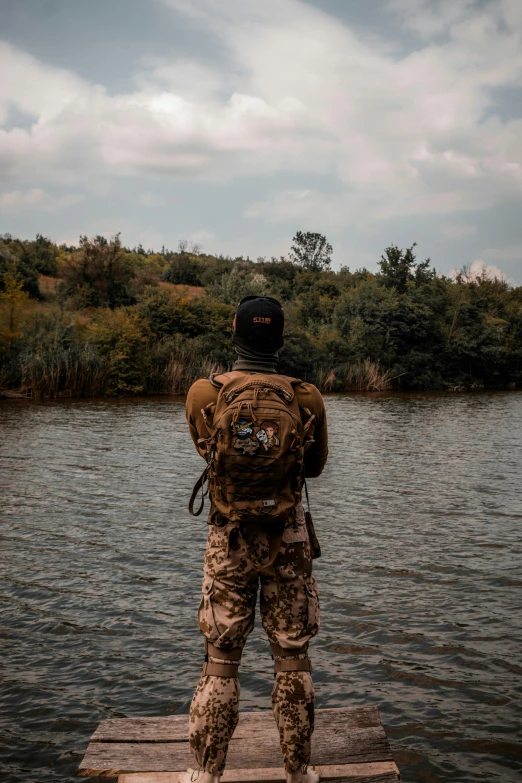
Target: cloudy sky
<point>234,123</point>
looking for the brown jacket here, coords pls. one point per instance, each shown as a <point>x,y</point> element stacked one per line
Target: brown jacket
<point>202,393</point>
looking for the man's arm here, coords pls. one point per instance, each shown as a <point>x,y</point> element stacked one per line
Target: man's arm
<point>315,457</point>
<point>200,394</point>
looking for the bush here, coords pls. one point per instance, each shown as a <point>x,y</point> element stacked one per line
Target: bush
<point>167,313</point>
<point>403,326</point>
<point>243,280</point>
<point>119,337</point>
<point>13,300</point>
<point>98,274</point>
<point>12,261</point>
<point>51,360</point>
<point>177,362</point>
<point>184,270</point>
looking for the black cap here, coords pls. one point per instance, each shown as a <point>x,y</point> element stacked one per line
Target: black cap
<point>260,321</point>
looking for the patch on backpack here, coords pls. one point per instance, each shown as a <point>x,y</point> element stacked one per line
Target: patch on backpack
<point>246,445</point>
<point>267,435</point>
<point>269,502</point>
<point>243,428</point>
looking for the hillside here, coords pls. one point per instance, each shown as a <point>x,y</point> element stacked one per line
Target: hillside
<point>103,319</point>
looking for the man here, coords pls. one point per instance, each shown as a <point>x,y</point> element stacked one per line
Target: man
<point>242,553</point>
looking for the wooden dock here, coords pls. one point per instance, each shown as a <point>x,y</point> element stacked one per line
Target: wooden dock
<point>348,744</point>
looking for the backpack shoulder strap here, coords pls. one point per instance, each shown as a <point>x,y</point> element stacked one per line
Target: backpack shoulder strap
<point>293,381</point>
<point>214,382</point>
<point>199,485</point>
<point>219,379</point>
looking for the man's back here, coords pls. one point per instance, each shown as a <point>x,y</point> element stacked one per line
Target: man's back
<point>256,443</point>
<point>204,392</point>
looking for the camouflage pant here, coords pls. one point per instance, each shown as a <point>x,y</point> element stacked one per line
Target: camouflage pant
<point>290,616</point>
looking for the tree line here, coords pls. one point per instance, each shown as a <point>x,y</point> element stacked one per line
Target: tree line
<point>100,318</point>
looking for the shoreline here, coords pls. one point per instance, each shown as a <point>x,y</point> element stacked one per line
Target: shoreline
<point>181,397</point>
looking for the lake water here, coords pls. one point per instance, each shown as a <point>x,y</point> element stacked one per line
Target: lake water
<point>419,514</point>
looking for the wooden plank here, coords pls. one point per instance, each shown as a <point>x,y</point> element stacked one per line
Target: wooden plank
<point>388,777</point>
<point>331,771</point>
<point>329,747</point>
<point>174,728</point>
<point>350,772</point>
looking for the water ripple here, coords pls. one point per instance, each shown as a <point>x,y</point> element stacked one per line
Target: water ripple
<point>418,513</point>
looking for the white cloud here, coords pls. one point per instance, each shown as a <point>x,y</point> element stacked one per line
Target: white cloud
<point>187,78</point>
<point>16,201</point>
<point>33,87</point>
<point>510,257</point>
<point>396,135</point>
<point>479,269</point>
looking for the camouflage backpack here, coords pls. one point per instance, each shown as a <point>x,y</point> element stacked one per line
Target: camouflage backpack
<point>255,450</point>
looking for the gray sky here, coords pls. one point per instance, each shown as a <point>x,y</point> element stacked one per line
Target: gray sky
<point>235,123</point>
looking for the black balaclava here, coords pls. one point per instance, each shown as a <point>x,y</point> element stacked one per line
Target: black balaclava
<point>258,335</point>
<point>253,361</point>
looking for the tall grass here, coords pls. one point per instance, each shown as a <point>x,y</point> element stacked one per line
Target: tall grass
<point>180,375</point>
<point>175,372</point>
<point>362,376</point>
<point>74,371</point>
<point>81,372</point>
<point>78,370</point>
<point>325,379</point>
<point>113,354</point>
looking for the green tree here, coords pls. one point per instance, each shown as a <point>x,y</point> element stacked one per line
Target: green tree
<point>480,325</point>
<point>184,270</point>
<point>399,266</point>
<point>214,268</point>
<point>12,252</point>
<point>243,280</point>
<point>99,274</point>
<point>281,276</point>
<point>119,337</point>
<point>42,254</point>
<point>311,251</point>
<point>344,329</point>
<point>299,355</point>
<point>167,314</point>
<point>15,300</point>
